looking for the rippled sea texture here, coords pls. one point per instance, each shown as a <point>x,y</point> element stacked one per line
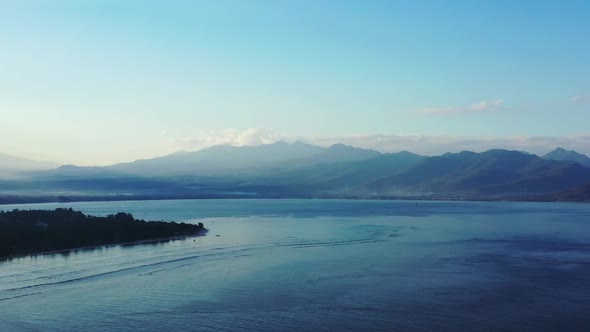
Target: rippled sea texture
<point>317,265</point>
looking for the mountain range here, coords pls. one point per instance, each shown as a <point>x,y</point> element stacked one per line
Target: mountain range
<point>226,159</point>
<point>11,166</point>
<point>284,170</point>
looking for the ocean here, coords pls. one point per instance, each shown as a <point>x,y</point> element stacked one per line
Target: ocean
<point>316,265</point>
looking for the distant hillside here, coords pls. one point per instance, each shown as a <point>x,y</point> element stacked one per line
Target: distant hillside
<point>12,165</point>
<point>577,194</point>
<point>225,159</point>
<point>337,153</point>
<point>285,170</point>
<point>490,173</point>
<point>567,155</point>
<point>338,175</point>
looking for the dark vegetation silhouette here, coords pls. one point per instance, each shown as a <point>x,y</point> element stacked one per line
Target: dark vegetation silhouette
<point>32,231</point>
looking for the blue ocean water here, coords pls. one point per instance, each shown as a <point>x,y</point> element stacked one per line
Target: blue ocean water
<point>317,265</point>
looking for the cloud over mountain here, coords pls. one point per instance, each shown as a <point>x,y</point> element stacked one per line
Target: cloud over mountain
<point>230,136</point>
<point>422,144</point>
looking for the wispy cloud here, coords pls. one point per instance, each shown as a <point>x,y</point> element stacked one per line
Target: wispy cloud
<point>482,106</point>
<point>235,137</point>
<point>581,99</point>
<point>422,144</point>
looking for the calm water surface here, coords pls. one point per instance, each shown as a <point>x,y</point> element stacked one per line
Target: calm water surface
<point>317,265</point>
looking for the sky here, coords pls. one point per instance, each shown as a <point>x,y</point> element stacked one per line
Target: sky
<point>99,82</point>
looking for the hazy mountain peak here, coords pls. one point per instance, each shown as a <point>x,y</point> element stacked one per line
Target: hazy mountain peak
<point>301,143</point>
<point>340,146</point>
<point>499,152</point>
<point>405,153</point>
<point>463,153</point>
<point>562,154</point>
<point>23,164</point>
<point>15,167</point>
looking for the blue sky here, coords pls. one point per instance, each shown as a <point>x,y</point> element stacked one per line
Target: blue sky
<point>95,82</point>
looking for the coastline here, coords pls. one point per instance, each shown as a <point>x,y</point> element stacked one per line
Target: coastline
<point>22,199</point>
<point>129,243</point>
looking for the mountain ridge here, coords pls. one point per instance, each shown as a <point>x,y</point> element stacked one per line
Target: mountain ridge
<point>493,172</point>
<point>221,159</point>
<point>290,170</point>
<point>561,154</point>
<point>14,166</point>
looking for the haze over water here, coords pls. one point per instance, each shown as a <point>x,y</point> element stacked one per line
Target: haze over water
<point>317,265</point>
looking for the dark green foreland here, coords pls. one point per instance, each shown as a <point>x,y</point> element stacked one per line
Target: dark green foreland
<point>33,231</point>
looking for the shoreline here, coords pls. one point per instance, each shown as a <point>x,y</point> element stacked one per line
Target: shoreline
<point>129,243</point>
<point>18,200</point>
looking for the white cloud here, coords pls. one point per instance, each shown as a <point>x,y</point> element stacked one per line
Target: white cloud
<point>235,137</point>
<point>482,106</point>
<point>580,99</point>
<point>421,144</point>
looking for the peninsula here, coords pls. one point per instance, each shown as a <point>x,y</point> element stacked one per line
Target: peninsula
<point>34,231</point>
